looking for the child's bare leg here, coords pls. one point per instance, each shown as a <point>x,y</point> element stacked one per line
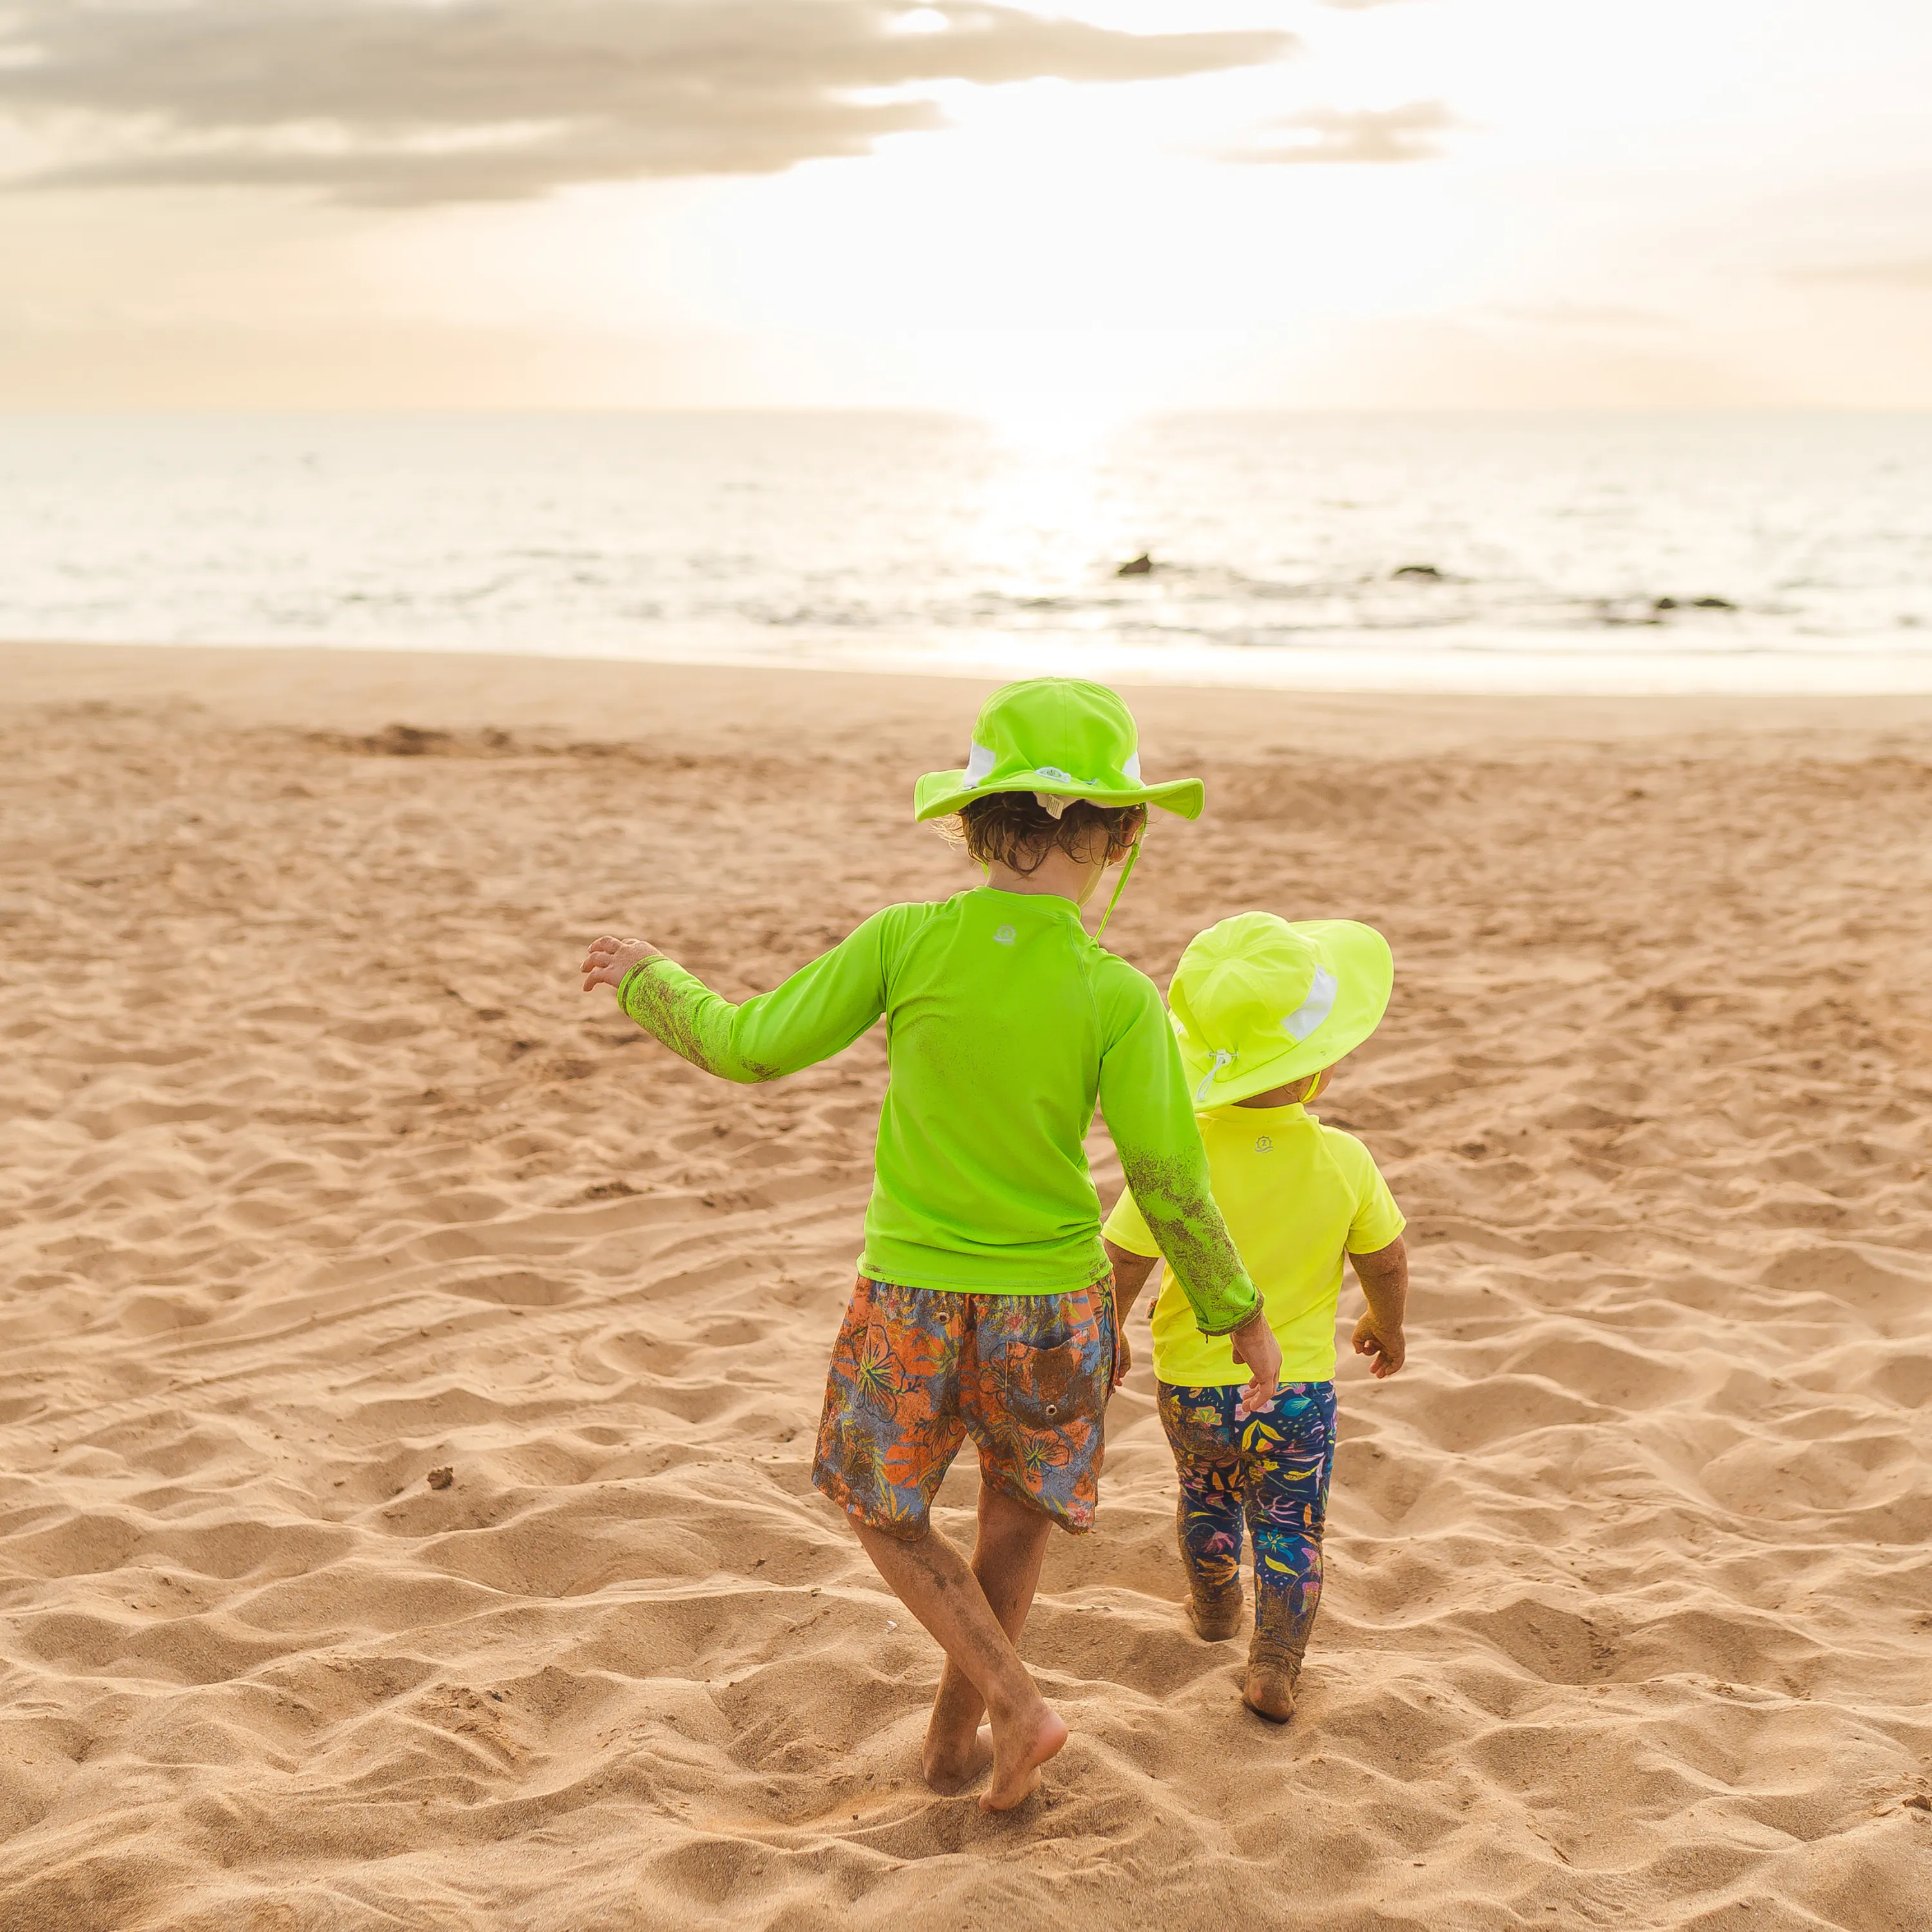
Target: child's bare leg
<point>1007,1555</point>
<point>935,1582</point>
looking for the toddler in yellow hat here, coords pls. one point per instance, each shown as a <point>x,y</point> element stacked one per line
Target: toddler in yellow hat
<point>1264,1010</point>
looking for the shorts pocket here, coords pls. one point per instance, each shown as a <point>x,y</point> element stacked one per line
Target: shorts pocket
<point>1051,1366</point>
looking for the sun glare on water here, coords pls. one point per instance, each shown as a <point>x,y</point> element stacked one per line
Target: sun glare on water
<point>1067,389</point>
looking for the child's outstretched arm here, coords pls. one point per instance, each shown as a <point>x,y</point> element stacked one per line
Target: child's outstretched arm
<point>818,1012</point>
<point>1384,1274</point>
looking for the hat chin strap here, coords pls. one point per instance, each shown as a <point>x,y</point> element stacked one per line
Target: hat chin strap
<point>1119,886</point>
<point>1221,1059</point>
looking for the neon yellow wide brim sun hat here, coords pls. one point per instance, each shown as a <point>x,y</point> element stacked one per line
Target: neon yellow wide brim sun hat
<point>1059,735</point>
<point>1258,1003</point>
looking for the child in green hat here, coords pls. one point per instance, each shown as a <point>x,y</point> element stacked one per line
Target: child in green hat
<point>983,1306</point>
<point>1265,1010</point>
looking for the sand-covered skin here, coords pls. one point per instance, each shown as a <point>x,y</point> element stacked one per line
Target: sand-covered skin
<point>318,1174</point>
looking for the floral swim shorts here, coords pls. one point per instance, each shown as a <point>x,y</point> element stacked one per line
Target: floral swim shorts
<point>916,1370</point>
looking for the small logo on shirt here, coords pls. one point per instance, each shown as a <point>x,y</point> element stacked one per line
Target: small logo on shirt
<point>1264,1145</point>
<point>1005,936</point>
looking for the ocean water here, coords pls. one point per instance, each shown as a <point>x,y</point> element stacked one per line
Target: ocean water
<point>1445,552</point>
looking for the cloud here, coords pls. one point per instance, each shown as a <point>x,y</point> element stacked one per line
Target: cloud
<point>1368,134</point>
<point>425,101</point>
<point>1588,317</point>
<point>1907,275</point>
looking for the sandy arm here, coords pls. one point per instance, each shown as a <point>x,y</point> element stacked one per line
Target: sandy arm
<point>1172,1193</point>
<point>818,1012</point>
<point>676,1008</point>
<point>1384,1274</point>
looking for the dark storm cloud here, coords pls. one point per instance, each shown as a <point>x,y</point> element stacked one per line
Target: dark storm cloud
<point>1348,135</point>
<point>419,100</point>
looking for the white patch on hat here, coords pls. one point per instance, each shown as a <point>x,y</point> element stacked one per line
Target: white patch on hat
<point>1064,778</point>
<point>979,764</point>
<point>1313,1010</point>
<point>1131,765</point>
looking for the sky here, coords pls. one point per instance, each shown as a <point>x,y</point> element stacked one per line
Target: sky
<point>1131,204</point>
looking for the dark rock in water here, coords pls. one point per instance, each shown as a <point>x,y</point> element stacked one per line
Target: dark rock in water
<point>1663,604</point>
<point>1138,566</point>
<point>1712,603</point>
<point>1425,570</point>
<point>406,741</point>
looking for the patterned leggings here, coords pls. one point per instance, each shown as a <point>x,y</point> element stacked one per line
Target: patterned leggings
<point>1273,1469</point>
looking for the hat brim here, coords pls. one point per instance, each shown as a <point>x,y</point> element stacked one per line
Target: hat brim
<point>1364,969</point>
<point>939,794</point>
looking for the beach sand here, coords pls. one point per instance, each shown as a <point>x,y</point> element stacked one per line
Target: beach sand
<point>319,1175</point>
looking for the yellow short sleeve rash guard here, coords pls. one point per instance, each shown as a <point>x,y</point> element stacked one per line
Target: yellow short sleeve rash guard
<point>1297,1196</point>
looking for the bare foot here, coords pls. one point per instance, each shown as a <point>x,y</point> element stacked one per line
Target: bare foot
<point>1019,1749</point>
<point>950,1772</point>
<point>1269,1691</point>
<point>1216,1614</point>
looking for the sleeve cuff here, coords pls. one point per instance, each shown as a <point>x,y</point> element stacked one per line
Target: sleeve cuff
<point>1394,1233</point>
<point>629,980</point>
<point>1239,1320</point>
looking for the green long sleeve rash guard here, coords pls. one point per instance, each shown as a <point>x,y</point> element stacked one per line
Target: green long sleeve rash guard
<point>1005,1023</point>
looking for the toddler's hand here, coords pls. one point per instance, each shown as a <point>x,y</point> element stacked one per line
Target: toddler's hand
<point>1123,1356</point>
<point>1385,1347</point>
<point>608,960</point>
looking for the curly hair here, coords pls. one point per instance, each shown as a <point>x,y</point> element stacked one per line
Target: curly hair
<point>1013,829</point>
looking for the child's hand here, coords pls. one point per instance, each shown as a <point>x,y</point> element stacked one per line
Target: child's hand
<point>608,960</point>
<point>1255,1348</point>
<point>1384,1346</point>
<point>1123,1356</point>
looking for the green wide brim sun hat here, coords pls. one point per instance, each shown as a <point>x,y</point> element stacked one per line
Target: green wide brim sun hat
<point>1258,1003</point>
<point>1059,735</point>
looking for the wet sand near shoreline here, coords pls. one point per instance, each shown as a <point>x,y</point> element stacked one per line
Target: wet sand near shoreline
<point>318,1177</point>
